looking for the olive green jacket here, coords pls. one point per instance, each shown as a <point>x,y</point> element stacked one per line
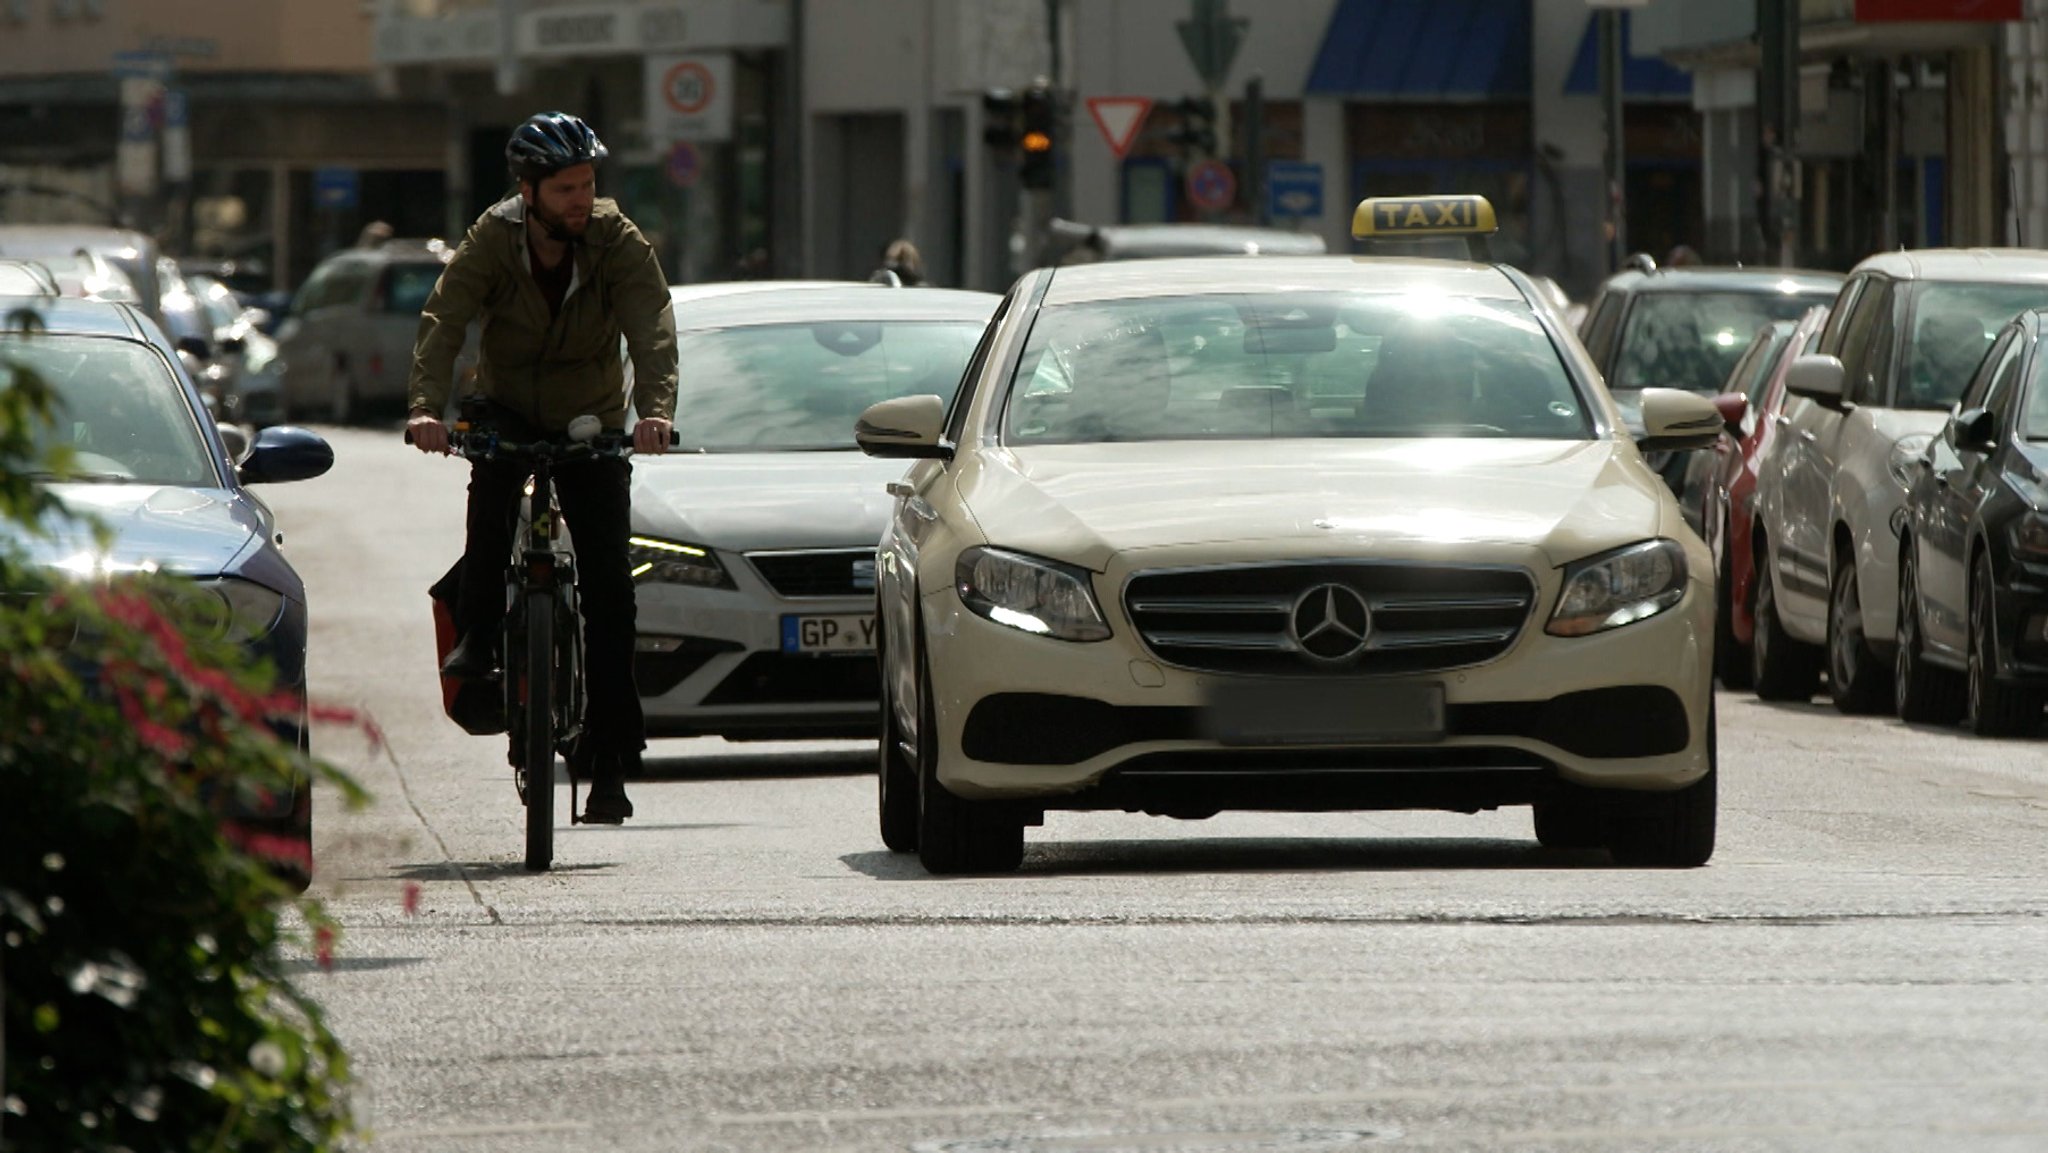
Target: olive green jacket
<point>550,372</point>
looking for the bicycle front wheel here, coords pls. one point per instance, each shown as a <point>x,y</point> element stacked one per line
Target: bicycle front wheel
<point>539,737</point>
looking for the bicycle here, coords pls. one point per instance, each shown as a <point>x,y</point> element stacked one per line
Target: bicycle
<point>543,688</point>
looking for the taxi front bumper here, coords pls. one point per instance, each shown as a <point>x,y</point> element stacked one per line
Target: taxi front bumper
<point>1096,724</point>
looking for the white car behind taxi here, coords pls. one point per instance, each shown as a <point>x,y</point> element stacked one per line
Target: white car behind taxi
<point>1291,534</point>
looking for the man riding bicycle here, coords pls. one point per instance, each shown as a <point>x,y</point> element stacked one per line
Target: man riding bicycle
<point>556,276</point>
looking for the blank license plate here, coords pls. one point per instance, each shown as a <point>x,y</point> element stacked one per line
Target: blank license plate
<point>847,633</point>
<point>1324,712</point>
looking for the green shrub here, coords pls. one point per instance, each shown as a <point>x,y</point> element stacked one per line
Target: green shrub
<point>148,1000</point>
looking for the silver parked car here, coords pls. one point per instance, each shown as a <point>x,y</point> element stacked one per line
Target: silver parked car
<point>754,546</point>
<point>347,346</point>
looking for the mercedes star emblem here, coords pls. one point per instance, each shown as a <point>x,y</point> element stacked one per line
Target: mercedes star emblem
<point>1330,623</point>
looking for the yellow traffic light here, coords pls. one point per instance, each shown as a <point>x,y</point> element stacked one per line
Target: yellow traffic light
<point>1037,142</point>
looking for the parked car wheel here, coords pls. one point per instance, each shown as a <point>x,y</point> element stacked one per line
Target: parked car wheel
<point>1857,679</point>
<point>1781,667</point>
<point>896,774</point>
<point>1995,710</point>
<point>1923,693</point>
<point>1731,656</point>
<point>956,835</point>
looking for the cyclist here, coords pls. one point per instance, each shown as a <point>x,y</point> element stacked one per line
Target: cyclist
<point>556,276</point>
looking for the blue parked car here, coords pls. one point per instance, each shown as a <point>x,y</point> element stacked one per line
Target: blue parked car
<point>153,467</point>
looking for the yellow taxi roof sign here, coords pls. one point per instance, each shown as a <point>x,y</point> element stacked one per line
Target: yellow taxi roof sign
<point>1395,217</point>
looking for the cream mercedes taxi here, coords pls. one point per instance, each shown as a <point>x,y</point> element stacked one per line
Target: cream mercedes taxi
<point>1291,534</point>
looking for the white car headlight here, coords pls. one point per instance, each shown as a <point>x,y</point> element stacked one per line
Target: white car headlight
<point>1030,594</point>
<point>1619,587</point>
<point>673,562</point>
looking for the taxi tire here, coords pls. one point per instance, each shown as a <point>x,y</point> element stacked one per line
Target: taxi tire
<point>1571,819</point>
<point>896,774</point>
<point>1858,680</point>
<point>1673,830</point>
<point>1923,693</point>
<point>1994,709</point>
<point>956,835</point>
<point>1782,667</point>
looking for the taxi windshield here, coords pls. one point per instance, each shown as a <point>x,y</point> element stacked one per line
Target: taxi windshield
<point>1953,325</point>
<point>1691,340</point>
<point>119,410</point>
<point>800,387</point>
<point>1290,365</point>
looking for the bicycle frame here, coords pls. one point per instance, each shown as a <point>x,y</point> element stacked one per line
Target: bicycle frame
<point>544,626</point>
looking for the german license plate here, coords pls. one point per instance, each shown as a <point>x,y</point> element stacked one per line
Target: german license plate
<point>819,633</point>
<point>1290,712</point>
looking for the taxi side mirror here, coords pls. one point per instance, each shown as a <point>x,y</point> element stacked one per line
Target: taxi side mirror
<point>1816,378</point>
<point>1678,421</point>
<point>1977,430</point>
<point>908,427</point>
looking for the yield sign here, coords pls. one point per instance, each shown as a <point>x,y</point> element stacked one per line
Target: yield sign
<point>1119,117</point>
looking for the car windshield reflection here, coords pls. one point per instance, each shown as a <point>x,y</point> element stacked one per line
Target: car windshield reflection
<point>1301,364</point>
<point>120,412</point>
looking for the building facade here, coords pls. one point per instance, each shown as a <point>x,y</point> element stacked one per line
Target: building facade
<point>1911,115</point>
<point>251,132</point>
<point>696,99</point>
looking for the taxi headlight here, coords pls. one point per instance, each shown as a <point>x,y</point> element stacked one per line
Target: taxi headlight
<point>1618,588</point>
<point>1029,594</point>
<point>673,562</point>
<point>2029,534</point>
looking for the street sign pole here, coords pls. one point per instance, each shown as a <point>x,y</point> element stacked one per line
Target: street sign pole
<point>1617,160</point>
<point>1212,37</point>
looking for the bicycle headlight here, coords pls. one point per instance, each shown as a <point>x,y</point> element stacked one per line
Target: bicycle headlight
<point>1026,593</point>
<point>1619,587</point>
<point>673,562</point>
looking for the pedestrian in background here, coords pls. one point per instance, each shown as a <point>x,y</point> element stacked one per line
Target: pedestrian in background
<point>901,257</point>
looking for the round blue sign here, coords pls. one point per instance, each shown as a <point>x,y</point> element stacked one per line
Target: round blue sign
<point>684,164</point>
<point>1211,185</point>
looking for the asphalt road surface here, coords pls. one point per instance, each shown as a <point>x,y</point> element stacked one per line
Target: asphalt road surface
<point>1863,966</point>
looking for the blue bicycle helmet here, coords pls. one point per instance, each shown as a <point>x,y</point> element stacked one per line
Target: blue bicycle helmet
<point>550,142</point>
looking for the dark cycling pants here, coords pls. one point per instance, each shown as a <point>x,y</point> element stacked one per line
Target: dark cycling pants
<point>595,496</point>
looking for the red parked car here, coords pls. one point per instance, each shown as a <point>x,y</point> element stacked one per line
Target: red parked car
<point>1721,492</point>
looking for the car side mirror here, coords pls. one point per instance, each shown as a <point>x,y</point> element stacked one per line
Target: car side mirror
<point>196,346</point>
<point>1816,378</point>
<point>1977,430</point>
<point>911,427</point>
<point>1678,421</point>
<point>1732,406</point>
<point>283,453</point>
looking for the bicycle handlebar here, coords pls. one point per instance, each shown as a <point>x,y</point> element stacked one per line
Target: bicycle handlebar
<point>484,444</point>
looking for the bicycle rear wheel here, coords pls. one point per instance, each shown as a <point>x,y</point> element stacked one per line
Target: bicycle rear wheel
<point>539,737</point>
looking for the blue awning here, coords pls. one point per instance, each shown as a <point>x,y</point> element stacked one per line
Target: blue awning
<point>1425,50</point>
<point>1643,77</point>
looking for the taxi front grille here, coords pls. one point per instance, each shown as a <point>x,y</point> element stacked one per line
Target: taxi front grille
<point>1345,617</point>
<point>845,572</point>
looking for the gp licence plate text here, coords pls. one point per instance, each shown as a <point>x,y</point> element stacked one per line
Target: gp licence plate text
<point>847,633</point>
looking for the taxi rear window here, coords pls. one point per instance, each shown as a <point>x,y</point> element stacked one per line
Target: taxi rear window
<point>1287,365</point>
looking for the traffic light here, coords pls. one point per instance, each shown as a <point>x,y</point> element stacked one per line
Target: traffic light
<point>999,130</point>
<point>1041,119</point>
<point>1197,128</point>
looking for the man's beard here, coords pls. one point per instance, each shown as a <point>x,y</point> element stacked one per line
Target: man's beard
<point>558,229</point>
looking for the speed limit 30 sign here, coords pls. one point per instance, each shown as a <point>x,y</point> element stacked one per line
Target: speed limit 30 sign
<point>689,98</point>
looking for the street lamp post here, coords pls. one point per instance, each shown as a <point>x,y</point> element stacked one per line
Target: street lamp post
<point>1609,14</point>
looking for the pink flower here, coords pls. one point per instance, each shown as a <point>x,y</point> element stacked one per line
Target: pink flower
<point>412,898</point>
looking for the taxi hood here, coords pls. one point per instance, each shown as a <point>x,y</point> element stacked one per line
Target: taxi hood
<point>1085,503</point>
